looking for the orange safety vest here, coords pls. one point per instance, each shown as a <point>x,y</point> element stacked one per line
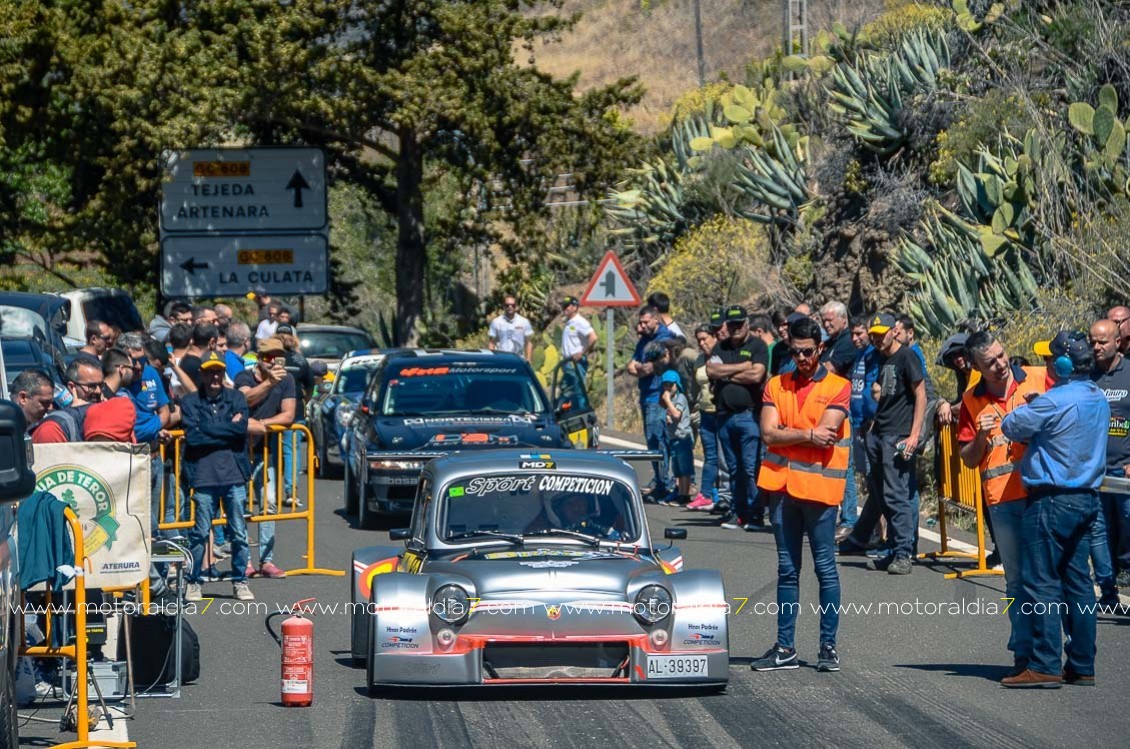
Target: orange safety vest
<point>804,471</point>
<point>1000,465</point>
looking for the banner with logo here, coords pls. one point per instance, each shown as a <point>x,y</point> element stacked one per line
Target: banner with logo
<point>108,486</point>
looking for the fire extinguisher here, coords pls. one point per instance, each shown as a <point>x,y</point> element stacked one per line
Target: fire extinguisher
<point>297,643</point>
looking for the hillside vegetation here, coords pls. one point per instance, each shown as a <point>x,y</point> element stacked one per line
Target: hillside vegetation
<point>965,162</point>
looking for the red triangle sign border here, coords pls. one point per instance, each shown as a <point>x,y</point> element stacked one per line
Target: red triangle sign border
<point>601,269</point>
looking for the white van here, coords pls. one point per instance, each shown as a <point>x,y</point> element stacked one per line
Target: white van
<point>111,306</point>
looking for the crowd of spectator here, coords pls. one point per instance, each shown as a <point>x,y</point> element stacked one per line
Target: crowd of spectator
<point>1043,439</point>
<point>196,369</point>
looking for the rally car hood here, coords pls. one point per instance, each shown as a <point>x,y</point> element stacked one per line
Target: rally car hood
<point>466,432</point>
<point>498,572</point>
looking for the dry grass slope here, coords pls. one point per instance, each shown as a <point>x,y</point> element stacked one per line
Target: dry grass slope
<point>617,38</point>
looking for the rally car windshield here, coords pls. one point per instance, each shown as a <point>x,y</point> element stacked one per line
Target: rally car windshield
<point>460,388</point>
<point>522,507</point>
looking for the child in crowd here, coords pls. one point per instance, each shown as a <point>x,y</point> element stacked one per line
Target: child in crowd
<point>680,438</point>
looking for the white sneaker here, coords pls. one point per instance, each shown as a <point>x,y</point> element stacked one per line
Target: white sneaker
<point>193,593</point>
<point>242,591</point>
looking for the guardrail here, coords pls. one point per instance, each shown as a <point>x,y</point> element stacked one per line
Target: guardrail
<point>259,510</point>
<point>958,485</point>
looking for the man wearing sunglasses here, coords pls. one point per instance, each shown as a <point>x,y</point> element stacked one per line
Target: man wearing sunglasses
<point>510,332</point>
<point>98,339</point>
<point>272,395</point>
<point>84,381</point>
<point>805,472</point>
<point>736,370</point>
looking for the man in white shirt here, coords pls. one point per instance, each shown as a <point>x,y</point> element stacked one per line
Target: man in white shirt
<point>510,332</point>
<point>268,324</point>
<point>577,337</point>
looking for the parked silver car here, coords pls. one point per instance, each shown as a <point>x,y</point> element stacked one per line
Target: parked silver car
<point>523,567</point>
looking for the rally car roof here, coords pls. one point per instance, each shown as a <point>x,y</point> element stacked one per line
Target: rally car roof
<point>511,460</point>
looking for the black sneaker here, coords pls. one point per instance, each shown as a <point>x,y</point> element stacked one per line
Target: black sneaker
<point>730,522</point>
<point>882,564</point>
<point>1110,602</point>
<point>776,659</point>
<point>993,560</point>
<point>721,507</point>
<point>900,566</point>
<point>829,658</point>
<point>1123,579</point>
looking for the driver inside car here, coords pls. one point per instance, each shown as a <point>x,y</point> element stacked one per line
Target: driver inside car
<point>577,513</point>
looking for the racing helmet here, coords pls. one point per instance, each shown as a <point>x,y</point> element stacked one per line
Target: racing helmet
<point>554,507</point>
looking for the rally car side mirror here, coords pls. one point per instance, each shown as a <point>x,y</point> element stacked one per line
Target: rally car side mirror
<point>17,480</point>
<point>399,534</point>
<point>675,534</point>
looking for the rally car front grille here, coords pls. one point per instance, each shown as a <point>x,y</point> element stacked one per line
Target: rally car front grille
<point>577,660</point>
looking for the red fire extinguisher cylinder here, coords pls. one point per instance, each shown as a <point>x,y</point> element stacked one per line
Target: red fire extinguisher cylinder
<point>297,662</point>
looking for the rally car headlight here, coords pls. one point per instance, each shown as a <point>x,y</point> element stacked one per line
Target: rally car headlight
<point>344,414</point>
<point>653,604</point>
<point>451,604</point>
<point>397,465</point>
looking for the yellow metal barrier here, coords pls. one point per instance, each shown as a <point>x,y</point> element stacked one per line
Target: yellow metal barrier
<point>75,651</point>
<point>959,485</point>
<point>256,499</point>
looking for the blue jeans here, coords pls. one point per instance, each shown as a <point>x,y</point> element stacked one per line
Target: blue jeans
<point>1101,553</point>
<point>292,443</point>
<point>891,486</point>
<point>233,498</point>
<point>793,519</point>
<point>741,446</point>
<point>1056,548</point>
<point>655,432</point>
<point>1116,516</point>
<point>1008,519</point>
<point>708,433</point>
<point>267,528</point>
<point>157,478</point>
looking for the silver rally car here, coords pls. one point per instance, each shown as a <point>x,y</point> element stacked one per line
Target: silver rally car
<point>534,568</point>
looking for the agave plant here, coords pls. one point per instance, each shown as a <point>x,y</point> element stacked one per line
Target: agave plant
<point>954,277</point>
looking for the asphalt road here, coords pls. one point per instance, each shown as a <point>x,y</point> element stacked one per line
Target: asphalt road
<point>909,679</point>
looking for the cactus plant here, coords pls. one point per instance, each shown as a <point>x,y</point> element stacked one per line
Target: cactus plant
<point>955,276</point>
<point>869,92</point>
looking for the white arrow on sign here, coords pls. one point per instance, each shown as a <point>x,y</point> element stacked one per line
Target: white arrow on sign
<point>610,286</point>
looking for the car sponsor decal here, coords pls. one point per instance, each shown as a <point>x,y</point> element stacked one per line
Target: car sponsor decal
<point>553,612</point>
<point>417,421</point>
<point>481,486</point>
<point>547,564</point>
<point>571,553</point>
<point>539,464</point>
<point>576,484</point>
<point>700,638</point>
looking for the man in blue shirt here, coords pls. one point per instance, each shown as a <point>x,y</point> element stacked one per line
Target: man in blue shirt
<point>864,373</point>
<point>643,367</point>
<point>145,389</point>
<point>1063,467</point>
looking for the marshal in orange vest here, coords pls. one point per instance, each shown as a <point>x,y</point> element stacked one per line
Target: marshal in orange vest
<point>805,471</point>
<point>1000,465</point>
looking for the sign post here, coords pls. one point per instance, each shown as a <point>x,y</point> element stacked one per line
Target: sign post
<point>610,287</point>
<point>240,219</point>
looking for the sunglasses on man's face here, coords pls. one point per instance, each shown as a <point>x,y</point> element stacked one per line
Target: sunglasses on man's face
<point>804,353</point>
<point>735,324</point>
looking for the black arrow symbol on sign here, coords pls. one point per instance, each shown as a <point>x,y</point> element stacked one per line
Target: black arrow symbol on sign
<point>609,284</point>
<point>297,183</point>
<point>192,266</point>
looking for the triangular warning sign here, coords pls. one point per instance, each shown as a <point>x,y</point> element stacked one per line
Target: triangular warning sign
<point>610,286</point>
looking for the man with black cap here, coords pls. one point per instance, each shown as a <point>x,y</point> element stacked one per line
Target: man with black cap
<point>216,420</point>
<point>577,337</point>
<point>737,370</point>
<point>891,444</point>
<point>952,356</point>
<point>1062,469</point>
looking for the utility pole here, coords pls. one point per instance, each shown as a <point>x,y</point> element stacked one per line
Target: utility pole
<point>698,43</point>
<point>794,26</point>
